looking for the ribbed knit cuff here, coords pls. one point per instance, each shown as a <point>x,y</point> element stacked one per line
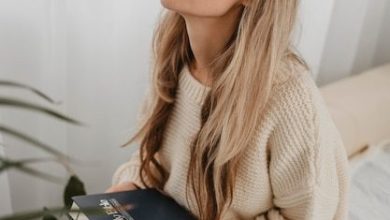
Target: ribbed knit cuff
<point>127,173</point>
<point>274,214</point>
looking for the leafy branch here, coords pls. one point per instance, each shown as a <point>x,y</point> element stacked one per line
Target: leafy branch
<point>74,185</point>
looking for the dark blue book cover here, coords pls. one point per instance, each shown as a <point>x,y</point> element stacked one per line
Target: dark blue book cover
<point>140,204</point>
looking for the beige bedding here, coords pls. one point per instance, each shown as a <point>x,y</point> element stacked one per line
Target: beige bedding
<point>369,196</point>
<point>360,107</point>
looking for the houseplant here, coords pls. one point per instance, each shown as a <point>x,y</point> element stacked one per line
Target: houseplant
<point>74,185</point>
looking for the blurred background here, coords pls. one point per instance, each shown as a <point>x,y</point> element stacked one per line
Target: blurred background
<point>94,56</point>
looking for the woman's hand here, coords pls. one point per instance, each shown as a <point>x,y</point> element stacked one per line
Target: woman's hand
<point>125,186</point>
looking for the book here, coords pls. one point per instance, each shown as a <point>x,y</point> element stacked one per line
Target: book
<point>139,204</point>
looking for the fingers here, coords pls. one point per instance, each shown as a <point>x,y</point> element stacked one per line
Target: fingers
<point>126,186</point>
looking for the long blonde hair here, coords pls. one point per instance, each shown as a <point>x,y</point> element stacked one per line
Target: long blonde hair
<point>242,76</point>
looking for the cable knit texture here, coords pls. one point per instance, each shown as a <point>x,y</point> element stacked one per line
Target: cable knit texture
<point>296,168</point>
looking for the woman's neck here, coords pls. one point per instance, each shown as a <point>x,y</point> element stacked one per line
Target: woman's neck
<point>208,36</point>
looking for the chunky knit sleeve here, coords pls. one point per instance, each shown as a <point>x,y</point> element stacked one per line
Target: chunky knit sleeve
<point>308,165</point>
<point>129,171</point>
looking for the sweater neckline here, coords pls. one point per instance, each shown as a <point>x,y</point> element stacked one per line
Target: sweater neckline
<point>191,87</point>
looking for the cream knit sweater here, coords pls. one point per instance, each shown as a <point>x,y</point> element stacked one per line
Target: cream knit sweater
<point>297,167</point>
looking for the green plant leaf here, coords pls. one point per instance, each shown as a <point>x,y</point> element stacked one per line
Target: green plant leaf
<point>59,161</point>
<point>3,166</point>
<point>27,87</point>
<point>34,107</point>
<point>6,164</point>
<point>33,141</point>
<point>74,187</point>
<point>35,214</point>
<point>48,215</point>
<point>38,160</point>
<point>39,174</point>
<point>32,214</point>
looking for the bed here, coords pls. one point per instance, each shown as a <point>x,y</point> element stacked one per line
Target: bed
<point>370,185</point>
<point>360,107</point>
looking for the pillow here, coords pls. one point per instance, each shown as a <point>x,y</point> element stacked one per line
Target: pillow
<point>360,107</point>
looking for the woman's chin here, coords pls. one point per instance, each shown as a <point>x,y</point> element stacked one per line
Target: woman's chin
<point>168,4</point>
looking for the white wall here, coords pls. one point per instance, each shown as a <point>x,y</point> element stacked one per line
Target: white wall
<point>369,38</point>
<point>94,56</point>
<point>356,39</point>
<point>382,54</point>
<point>25,50</point>
<point>312,29</point>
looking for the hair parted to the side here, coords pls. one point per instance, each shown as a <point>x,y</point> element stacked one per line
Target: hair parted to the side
<point>242,76</point>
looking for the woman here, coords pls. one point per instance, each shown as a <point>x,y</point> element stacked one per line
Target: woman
<point>234,127</point>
